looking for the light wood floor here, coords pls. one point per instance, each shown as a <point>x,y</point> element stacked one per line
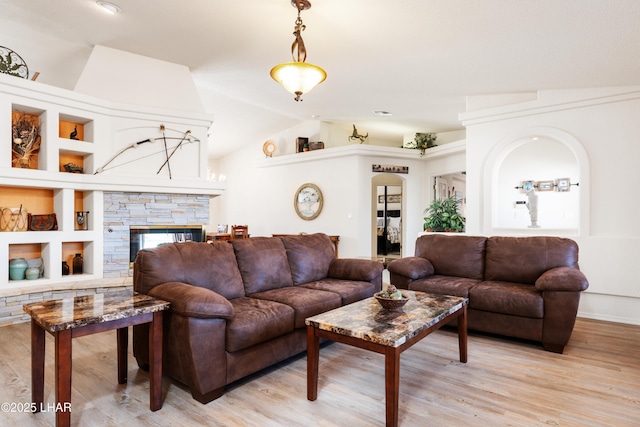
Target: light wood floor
<point>505,383</point>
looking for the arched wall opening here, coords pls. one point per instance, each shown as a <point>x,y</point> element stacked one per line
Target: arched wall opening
<point>555,165</point>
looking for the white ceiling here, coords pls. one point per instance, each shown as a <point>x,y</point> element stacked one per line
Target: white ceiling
<point>417,59</point>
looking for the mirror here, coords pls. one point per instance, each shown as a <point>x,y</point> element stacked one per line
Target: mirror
<point>388,217</point>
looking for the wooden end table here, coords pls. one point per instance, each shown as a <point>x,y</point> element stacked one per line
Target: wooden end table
<point>365,324</point>
<point>76,317</point>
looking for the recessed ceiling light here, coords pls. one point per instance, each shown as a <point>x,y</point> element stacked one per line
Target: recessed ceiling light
<point>109,7</point>
<point>315,116</point>
<point>382,113</point>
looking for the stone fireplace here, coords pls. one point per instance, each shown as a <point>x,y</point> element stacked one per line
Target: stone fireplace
<point>122,210</point>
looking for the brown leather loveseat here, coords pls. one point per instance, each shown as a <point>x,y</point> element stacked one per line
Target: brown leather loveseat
<point>238,307</point>
<point>523,287</point>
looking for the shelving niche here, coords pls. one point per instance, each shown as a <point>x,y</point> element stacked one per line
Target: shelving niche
<point>88,132</point>
<point>46,187</point>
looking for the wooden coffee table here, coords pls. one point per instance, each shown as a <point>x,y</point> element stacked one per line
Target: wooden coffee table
<point>365,324</point>
<point>76,317</point>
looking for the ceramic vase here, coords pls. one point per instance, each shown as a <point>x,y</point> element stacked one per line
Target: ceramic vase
<point>17,268</point>
<point>32,273</point>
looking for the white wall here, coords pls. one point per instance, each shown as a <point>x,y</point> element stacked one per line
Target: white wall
<point>260,191</point>
<point>601,127</point>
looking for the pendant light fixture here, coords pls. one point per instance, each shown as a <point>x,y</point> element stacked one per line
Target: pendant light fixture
<point>298,77</point>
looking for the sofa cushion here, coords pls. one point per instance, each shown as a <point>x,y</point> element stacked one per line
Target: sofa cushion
<point>263,263</point>
<point>193,301</point>
<point>304,301</point>
<point>309,256</point>
<point>444,285</point>
<point>356,269</point>
<point>256,321</point>
<point>507,298</point>
<point>412,267</point>
<point>349,290</point>
<point>524,259</point>
<point>211,266</point>
<point>453,255</point>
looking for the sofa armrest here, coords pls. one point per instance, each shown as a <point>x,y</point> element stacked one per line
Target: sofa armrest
<point>411,267</point>
<point>564,279</point>
<point>193,301</point>
<point>355,269</point>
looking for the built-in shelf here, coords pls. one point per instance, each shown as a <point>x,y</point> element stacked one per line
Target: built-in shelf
<point>86,132</point>
<point>363,150</point>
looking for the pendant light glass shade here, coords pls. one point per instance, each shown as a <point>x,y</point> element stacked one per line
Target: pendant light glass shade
<point>298,77</point>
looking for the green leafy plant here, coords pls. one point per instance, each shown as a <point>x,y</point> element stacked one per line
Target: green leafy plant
<point>422,141</point>
<point>444,215</point>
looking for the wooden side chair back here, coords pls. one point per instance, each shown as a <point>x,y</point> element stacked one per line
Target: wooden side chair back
<point>239,231</point>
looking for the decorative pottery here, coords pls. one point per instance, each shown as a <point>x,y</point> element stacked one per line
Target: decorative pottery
<point>32,273</point>
<point>65,268</point>
<point>37,263</point>
<point>17,268</point>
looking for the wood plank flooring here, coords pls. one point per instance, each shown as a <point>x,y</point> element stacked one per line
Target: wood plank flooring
<point>596,382</point>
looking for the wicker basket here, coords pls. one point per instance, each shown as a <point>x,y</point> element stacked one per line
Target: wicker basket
<point>13,219</point>
<point>392,304</point>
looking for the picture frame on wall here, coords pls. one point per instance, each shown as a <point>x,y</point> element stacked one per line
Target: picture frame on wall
<point>545,185</point>
<point>563,184</point>
<point>389,169</point>
<point>527,186</point>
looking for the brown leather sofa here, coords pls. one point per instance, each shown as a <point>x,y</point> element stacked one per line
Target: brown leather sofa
<point>239,306</point>
<point>522,287</point>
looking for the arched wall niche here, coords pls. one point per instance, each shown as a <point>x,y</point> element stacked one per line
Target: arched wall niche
<point>538,154</point>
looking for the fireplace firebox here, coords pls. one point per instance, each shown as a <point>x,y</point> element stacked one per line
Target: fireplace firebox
<point>151,236</point>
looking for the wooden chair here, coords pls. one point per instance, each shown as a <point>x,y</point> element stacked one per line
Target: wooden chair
<point>239,232</point>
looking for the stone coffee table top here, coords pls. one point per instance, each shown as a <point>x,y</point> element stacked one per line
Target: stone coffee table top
<point>68,313</point>
<point>367,320</point>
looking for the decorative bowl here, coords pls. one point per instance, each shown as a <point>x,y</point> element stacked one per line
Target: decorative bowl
<point>392,304</point>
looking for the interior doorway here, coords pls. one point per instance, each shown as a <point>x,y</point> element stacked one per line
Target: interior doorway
<point>452,185</point>
<point>388,214</point>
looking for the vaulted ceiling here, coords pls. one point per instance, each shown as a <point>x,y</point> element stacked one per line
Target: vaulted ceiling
<point>417,59</point>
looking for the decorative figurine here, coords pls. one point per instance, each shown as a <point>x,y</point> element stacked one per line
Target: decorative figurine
<point>355,135</point>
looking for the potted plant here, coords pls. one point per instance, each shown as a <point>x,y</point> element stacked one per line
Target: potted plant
<point>422,141</point>
<point>443,215</point>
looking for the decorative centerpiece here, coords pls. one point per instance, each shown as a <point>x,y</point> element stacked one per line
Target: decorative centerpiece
<point>391,298</point>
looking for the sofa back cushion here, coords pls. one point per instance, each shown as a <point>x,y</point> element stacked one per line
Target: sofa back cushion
<point>211,266</point>
<point>453,255</point>
<point>309,256</point>
<point>263,263</point>
<point>524,259</point>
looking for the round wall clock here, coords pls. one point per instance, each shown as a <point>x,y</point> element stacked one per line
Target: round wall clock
<point>308,201</point>
<point>11,63</point>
